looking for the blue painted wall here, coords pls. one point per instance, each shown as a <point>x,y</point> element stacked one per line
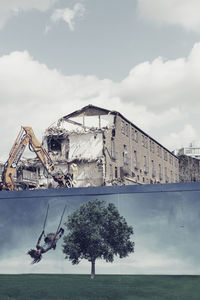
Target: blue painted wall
<point>165,218</point>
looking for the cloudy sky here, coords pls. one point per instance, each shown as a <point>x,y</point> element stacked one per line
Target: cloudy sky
<point>139,57</point>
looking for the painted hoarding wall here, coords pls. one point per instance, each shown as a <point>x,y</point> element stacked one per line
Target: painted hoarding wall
<point>165,218</point>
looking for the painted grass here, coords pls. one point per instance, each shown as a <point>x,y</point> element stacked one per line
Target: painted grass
<point>103,287</point>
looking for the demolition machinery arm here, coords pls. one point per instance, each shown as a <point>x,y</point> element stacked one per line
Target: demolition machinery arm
<point>27,136</point>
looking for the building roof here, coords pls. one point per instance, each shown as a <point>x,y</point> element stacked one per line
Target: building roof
<point>89,110</point>
<point>92,110</point>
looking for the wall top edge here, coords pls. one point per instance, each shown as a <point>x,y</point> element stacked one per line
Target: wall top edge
<point>102,190</point>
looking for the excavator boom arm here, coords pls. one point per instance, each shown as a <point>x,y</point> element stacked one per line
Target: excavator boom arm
<point>27,136</point>
<point>41,153</point>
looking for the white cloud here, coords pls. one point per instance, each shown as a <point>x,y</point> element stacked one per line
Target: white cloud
<point>161,84</point>
<point>159,96</point>
<point>68,15</point>
<point>177,140</point>
<point>185,13</point>
<point>39,96</point>
<point>14,7</point>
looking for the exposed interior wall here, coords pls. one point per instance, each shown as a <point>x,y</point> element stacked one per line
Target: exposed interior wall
<point>89,174</point>
<point>85,146</point>
<point>80,139</point>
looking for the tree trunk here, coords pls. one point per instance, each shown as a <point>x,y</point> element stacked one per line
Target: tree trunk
<point>92,269</point>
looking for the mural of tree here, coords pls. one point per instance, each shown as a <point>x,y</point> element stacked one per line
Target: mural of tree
<point>97,231</point>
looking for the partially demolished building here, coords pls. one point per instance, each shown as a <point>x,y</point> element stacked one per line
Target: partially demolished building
<point>101,147</point>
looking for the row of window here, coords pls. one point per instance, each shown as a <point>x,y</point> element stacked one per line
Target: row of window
<point>172,178</point>
<point>144,142</point>
<point>125,128</point>
<point>145,158</point>
<point>146,167</point>
<point>146,170</point>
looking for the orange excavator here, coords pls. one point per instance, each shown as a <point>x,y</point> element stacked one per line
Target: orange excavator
<point>27,136</point>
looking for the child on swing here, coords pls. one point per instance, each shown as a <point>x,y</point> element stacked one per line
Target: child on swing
<point>50,241</point>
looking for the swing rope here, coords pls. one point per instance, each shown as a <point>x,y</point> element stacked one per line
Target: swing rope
<point>45,220</point>
<point>52,243</point>
<point>61,218</point>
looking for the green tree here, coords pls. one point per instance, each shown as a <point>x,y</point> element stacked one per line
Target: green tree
<point>95,231</point>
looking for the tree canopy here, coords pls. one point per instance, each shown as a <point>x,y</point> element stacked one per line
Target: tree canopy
<point>97,231</point>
